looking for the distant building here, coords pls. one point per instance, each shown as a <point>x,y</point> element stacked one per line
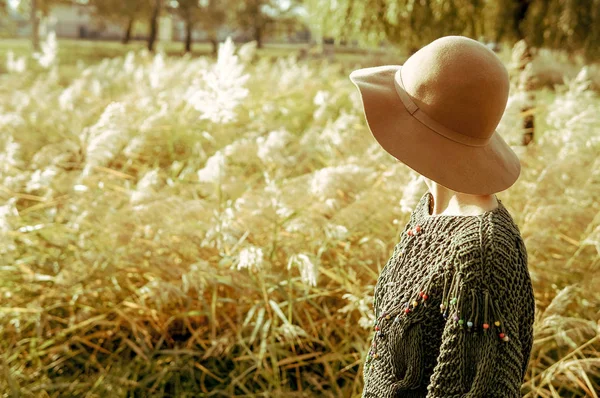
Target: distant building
<point>77,21</point>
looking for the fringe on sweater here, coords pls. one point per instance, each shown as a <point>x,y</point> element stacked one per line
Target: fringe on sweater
<point>454,309</point>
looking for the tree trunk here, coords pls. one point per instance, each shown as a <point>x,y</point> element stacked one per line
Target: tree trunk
<point>519,15</point>
<point>35,26</point>
<point>258,36</point>
<point>127,35</point>
<point>154,25</point>
<point>521,58</point>
<point>215,45</point>
<point>189,27</point>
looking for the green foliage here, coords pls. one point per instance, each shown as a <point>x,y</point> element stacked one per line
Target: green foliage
<point>571,25</point>
<point>259,16</point>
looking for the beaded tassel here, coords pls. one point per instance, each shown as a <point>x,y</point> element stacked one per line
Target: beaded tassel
<point>459,312</point>
<point>502,334</point>
<point>470,321</point>
<point>453,289</point>
<point>477,298</point>
<point>443,305</point>
<point>485,312</point>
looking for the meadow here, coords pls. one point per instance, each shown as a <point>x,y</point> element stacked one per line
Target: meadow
<point>195,226</point>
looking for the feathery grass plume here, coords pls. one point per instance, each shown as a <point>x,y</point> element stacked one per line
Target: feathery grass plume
<point>220,89</point>
<point>308,269</point>
<point>321,101</point>
<point>412,192</point>
<point>105,138</point>
<point>214,168</point>
<point>41,179</point>
<point>292,74</point>
<point>11,156</point>
<point>336,232</point>
<point>156,70</point>
<point>12,119</point>
<point>272,148</point>
<point>247,51</point>
<point>573,115</point>
<point>334,135</point>
<point>49,51</point>
<point>511,122</point>
<point>145,186</point>
<point>14,64</point>
<point>363,305</point>
<point>71,94</point>
<point>129,62</point>
<point>8,216</point>
<point>250,257</point>
<point>274,193</point>
<point>328,181</point>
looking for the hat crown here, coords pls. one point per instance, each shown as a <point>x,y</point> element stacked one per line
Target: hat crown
<point>460,83</point>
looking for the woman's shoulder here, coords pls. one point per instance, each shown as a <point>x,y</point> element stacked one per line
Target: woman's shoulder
<point>495,229</point>
<point>491,248</point>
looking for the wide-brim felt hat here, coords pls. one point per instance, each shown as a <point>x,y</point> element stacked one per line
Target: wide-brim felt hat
<point>438,113</point>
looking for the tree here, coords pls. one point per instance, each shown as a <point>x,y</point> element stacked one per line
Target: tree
<point>154,15</point>
<point>260,15</point>
<point>210,14</point>
<point>572,25</point>
<point>124,12</point>
<point>127,12</point>
<point>34,8</point>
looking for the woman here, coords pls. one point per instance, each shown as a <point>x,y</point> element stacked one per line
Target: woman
<point>454,305</point>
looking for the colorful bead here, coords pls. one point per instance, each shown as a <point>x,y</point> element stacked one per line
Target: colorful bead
<point>380,334</point>
<point>505,338</point>
<point>469,324</point>
<point>397,319</point>
<point>376,355</point>
<point>485,326</point>
<point>387,317</point>
<point>425,297</point>
<point>456,318</point>
<point>501,335</point>
<point>409,232</point>
<point>442,307</point>
<point>497,323</point>
<point>376,327</point>
<point>415,303</point>
<point>406,310</point>
<point>445,315</point>
<point>418,228</point>
<point>461,321</point>
<point>421,293</point>
<point>453,301</point>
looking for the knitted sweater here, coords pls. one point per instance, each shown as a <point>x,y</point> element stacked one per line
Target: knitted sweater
<point>454,309</point>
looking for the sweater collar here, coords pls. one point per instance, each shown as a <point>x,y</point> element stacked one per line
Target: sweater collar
<point>423,216</point>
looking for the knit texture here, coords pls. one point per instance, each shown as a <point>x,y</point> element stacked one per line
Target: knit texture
<point>454,309</point>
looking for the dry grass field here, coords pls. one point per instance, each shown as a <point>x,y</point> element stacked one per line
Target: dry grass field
<point>189,226</point>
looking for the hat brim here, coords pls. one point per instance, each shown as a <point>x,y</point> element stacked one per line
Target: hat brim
<point>476,170</point>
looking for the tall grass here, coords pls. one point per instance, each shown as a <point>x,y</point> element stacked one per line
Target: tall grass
<point>159,239</point>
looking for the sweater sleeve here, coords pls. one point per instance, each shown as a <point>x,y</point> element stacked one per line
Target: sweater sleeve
<point>482,353</point>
